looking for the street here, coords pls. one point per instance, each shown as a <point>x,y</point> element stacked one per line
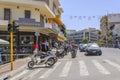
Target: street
<point>105,67</point>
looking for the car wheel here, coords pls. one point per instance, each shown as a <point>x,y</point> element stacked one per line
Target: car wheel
<point>100,54</point>
<point>86,54</point>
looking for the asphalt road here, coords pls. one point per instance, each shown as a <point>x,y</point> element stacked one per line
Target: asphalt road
<point>104,67</point>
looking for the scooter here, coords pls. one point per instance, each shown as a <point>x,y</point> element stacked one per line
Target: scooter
<point>40,59</point>
<point>60,53</point>
<point>73,53</point>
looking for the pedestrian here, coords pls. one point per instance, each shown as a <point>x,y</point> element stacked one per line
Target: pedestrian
<point>43,47</point>
<point>47,45</point>
<point>56,45</point>
<point>35,46</point>
<point>0,57</point>
<point>40,47</point>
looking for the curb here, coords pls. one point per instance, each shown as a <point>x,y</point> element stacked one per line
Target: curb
<point>14,72</point>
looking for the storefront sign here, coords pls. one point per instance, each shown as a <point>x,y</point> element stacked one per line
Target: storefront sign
<point>37,33</point>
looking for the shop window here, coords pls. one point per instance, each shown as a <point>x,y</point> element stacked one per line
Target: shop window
<point>7,13</point>
<point>26,40</point>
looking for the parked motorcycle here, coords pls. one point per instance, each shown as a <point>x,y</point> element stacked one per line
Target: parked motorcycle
<point>60,53</point>
<point>42,58</point>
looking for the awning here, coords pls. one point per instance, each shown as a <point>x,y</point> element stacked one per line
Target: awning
<point>57,20</point>
<point>3,41</point>
<point>60,38</point>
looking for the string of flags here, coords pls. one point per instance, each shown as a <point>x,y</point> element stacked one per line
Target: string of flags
<point>92,17</point>
<point>85,17</point>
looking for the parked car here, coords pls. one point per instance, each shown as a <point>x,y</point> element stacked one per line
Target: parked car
<point>119,46</point>
<point>93,48</point>
<point>82,47</point>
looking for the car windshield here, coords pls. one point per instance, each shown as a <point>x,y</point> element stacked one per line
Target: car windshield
<point>94,45</point>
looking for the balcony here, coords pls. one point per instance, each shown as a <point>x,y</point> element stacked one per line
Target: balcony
<point>28,22</point>
<point>47,25</point>
<point>32,23</point>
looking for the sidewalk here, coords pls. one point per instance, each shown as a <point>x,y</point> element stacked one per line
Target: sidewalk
<point>19,65</point>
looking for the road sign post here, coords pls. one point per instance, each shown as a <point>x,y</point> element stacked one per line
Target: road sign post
<point>37,34</point>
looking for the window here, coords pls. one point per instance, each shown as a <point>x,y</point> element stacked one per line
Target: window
<point>24,39</point>
<point>7,14</point>
<point>27,13</point>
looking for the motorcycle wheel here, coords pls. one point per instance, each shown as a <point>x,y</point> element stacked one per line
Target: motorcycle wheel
<point>50,62</point>
<point>56,59</point>
<point>30,64</point>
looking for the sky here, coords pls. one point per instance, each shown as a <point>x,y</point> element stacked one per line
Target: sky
<point>82,14</point>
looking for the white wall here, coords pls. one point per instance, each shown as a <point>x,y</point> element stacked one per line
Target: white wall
<point>113,18</point>
<point>51,4</point>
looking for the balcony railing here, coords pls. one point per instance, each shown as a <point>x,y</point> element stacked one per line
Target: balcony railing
<point>32,22</point>
<point>47,25</point>
<point>27,22</point>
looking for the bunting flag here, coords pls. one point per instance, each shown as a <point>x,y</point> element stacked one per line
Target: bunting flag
<point>85,17</point>
<point>80,17</point>
<point>89,18</point>
<point>93,16</point>
<point>71,17</point>
<point>75,16</point>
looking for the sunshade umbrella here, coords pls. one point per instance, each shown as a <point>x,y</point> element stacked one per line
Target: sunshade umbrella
<point>3,41</point>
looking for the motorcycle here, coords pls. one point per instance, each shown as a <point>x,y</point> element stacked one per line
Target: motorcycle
<point>42,58</point>
<point>60,53</point>
<point>73,53</point>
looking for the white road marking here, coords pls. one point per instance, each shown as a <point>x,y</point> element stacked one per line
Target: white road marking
<point>83,69</point>
<point>17,76</point>
<point>33,73</point>
<point>100,67</point>
<point>113,64</point>
<point>47,73</point>
<point>66,69</point>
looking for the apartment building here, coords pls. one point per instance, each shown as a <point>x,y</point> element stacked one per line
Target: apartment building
<point>32,15</point>
<point>106,22</point>
<point>91,34</point>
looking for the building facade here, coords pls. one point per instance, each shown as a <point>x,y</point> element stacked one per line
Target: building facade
<point>32,15</point>
<point>91,34</point>
<point>107,33</point>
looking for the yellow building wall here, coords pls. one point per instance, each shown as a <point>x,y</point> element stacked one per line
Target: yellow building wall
<point>19,12</point>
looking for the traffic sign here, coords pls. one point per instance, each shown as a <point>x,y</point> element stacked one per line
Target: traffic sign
<point>37,33</point>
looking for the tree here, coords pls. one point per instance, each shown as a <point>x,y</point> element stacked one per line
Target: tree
<point>109,39</point>
<point>85,40</point>
<point>65,33</point>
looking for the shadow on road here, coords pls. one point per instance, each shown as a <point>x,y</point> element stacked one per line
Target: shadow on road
<point>38,67</point>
